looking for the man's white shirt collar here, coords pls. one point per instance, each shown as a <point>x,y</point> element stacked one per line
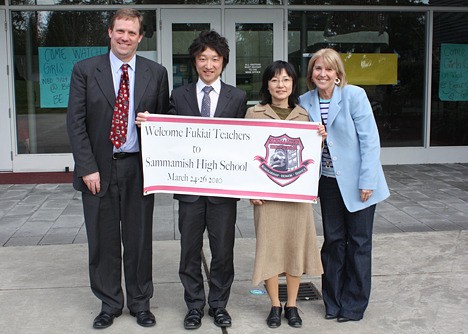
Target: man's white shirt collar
<point>216,85</point>
<point>116,63</point>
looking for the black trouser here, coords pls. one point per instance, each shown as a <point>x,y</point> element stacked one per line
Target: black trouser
<point>219,220</point>
<point>123,216</point>
<point>346,253</point>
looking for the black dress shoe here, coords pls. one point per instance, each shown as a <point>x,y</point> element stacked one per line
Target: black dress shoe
<point>144,318</point>
<point>345,319</point>
<point>104,319</point>
<point>221,317</point>
<point>330,316</point>
<point>290,313</point>
<point>274,318</point>
<point>193,318</point>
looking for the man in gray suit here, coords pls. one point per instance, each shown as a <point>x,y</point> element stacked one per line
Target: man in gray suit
<point>109,173</point>
<point>209,54</point>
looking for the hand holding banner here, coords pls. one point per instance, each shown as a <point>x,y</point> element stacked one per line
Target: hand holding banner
<point>241,158</point>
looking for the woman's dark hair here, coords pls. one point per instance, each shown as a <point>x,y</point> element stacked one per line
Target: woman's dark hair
<point>209,39</point>
<point>273,69</point>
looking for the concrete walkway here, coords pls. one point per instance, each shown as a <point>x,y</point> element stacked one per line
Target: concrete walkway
<point>420,265</point>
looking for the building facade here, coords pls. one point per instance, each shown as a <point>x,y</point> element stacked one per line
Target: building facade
<point>411,57</point>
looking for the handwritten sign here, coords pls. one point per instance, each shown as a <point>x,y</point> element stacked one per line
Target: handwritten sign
<point>453,83</point>
<point>240,158</point>
<point>55,68</point>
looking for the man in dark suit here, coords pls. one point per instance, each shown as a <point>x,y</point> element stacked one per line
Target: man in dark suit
<point>109,173</point>
<point>209,54</point>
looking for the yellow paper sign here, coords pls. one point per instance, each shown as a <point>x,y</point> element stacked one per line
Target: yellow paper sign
<point>371,68</point>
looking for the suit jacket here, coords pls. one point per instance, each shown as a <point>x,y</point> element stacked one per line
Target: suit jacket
<point>354,144</point>
<point>232,103</point>
<point>90,111</point>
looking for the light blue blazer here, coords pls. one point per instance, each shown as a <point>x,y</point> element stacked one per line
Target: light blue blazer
<point>354,144</point>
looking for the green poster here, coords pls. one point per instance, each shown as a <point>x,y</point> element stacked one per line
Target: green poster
<point>55,68</point>
<point>453,84</point>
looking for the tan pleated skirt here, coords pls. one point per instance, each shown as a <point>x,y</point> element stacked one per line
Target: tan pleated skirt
<point>286,241</point>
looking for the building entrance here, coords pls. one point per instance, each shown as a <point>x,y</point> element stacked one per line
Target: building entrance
<point>41,142</point>
<point>255,40</point>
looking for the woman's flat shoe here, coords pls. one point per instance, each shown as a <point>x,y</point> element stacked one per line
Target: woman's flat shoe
<point>330,316</point>
<point>291,313</point>
<point>274,318</point>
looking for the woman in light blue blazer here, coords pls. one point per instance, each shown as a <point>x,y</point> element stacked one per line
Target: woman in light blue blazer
<point>351,183</point>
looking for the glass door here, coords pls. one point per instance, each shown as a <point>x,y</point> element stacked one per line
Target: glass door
<point>5,122</point>
<point>179,28</point>
<point>255,40</point>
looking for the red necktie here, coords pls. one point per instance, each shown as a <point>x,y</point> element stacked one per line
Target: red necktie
<point>118,134</point>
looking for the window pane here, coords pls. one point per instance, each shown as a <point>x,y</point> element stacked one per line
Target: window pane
<point>449,115</point>
<point>183,35</point>
<point>380,2</point>
<point>395,87</point>
<point>254,2</point>
<point>114,2</point>
<point>254,51</point>
<point>46,45</point>
<point>59,2</point>
<point>168,2</point>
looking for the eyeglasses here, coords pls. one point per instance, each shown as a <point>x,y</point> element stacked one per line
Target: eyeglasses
<point>276,81</point>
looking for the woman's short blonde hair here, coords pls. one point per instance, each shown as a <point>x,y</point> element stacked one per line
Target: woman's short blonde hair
<point>332,59</point>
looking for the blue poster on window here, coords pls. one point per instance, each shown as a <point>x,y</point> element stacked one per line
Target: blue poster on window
<point>453,84</point>
<point>55,68</point>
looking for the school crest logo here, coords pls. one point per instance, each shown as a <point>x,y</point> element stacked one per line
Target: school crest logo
<point>283,162</point>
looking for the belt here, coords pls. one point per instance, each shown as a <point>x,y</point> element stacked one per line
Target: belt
<point>123,155</point>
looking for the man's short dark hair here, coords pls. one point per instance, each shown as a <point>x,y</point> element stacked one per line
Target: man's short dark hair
<point>127,14</point>
<point>209,39</point>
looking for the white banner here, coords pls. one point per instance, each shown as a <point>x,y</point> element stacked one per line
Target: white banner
<point>241,158</point>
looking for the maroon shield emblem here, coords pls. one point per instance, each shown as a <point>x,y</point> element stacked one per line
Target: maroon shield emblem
<point>283,160</point>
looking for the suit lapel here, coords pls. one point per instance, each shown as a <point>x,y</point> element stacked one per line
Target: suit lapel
<point>314,108</point>
<point>269,112</point>
<point>335,105</point>
<point>190,96</point>
<point>223,101</point>
<point>142,78</point>
<point>105,81</point>
<point>296,113</point>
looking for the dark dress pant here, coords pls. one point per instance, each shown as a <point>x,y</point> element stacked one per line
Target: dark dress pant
<point>346,253</point>
<point>219,220</point>
<point>121,217</point>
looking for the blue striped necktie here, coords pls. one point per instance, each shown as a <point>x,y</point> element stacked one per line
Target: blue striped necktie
<point>206,102</point>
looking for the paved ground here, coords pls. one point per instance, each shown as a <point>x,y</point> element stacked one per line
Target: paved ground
<point>423,198</point>
<point>419,275</point>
